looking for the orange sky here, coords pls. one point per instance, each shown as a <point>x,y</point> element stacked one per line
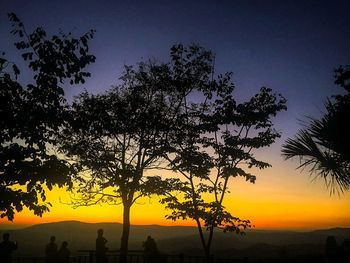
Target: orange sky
<point>281,198</point>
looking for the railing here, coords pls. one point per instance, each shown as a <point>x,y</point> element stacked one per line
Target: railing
<point>133,257</point>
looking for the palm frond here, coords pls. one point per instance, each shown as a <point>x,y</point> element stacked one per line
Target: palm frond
<point>322,162</point>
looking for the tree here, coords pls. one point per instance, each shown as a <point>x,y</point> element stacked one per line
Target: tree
<point>115,137</point>
<point>118,136</point>
<point>214,142</point>
<point>30,116</point>
<point>144,124</point>
<point>323,144</point>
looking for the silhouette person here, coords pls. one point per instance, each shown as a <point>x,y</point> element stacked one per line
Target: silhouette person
<point>63,253</point>
<point>332,249</point>
<point>6,248</point>
<point>346,250</point>
<point>51,250</point>
<point>101,248</point>
<point>150,250</point>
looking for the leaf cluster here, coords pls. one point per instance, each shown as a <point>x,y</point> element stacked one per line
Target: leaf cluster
<point>31,116</point>
<point>215,140</point>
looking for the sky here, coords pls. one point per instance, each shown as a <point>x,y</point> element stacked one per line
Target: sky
<point>289,46</point>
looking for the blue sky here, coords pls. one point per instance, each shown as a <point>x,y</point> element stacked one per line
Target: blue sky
<point>289,46</point>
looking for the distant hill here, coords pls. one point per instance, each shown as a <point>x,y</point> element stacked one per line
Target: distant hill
<point>174,239</point>
<point>338,231</point>
<point>82,236</point>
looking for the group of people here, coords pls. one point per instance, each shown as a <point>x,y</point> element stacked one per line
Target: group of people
<point>52,255</point>
<point>151,254</point>
<point>55,255</point>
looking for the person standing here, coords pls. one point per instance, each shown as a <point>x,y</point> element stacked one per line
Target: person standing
<point>51,250</point>
<point>6,248</point>
<point>101,248</point>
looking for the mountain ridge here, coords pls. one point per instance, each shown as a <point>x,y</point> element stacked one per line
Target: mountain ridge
<point>170,239</point>
<point>156,225</point>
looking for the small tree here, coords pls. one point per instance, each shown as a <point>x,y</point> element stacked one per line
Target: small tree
<point>214,142</point>
<point>324,145</point>
<point>31,115</point>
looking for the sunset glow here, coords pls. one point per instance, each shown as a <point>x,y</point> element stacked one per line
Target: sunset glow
<point>290,202</point>
<point>290,47</point>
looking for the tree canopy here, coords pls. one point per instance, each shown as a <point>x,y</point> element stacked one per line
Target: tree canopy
<point>115,137</point>
<point>215,141</point>
<point>175,115</point>
<point>323,145</point>
<point>30,116</point>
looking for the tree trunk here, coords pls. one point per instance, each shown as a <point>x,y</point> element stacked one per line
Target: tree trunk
<point>125,234</point>
<point>206,245</point>
<point>207,255</point>
<point>207,251</point>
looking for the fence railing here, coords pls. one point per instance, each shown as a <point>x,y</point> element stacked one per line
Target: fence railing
<point>133,257</point>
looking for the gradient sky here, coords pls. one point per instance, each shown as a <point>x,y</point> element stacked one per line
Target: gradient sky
<point>289,46</point>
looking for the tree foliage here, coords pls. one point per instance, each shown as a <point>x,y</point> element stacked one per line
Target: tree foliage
<point>214,141</point>
<point>31,115</point>
<point>116,137</point>
<point>323,145</point>
<point>175,116</point>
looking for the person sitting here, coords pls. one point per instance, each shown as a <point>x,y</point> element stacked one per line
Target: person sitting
<point>6,248</point>
<point>151,253</point>
<point>63,253</point>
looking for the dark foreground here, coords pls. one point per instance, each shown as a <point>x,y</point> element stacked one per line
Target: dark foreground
<point>137,257</point>
<point>181,244</point>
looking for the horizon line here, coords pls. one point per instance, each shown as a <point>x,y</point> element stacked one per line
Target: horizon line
<point>10,226</point>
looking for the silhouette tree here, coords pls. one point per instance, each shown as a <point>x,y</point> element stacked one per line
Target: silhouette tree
<point>214,142</point>
<point>150,122</point>
<point>30,116</point>
<point>323,144</point>
<point>116,137</point>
